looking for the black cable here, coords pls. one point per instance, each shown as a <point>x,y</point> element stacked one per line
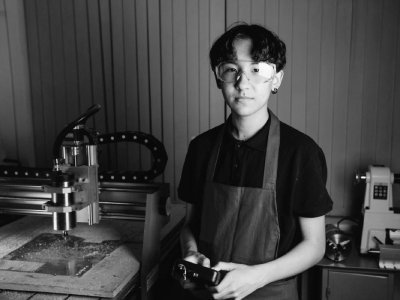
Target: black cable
<point>81,120</point>
<point>348,219</point>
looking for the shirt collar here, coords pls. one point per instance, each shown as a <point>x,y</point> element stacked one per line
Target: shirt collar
<point>258,141</point>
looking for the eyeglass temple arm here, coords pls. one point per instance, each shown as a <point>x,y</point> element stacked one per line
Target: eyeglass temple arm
<point>218,81</point>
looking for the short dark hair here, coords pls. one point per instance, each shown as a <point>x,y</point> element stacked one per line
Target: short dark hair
<point>266,45</point>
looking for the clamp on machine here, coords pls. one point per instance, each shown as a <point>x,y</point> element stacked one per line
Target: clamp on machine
<point>381,225</point>
<point>75,191</point>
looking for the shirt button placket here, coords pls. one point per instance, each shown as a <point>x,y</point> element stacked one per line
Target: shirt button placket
<point>236,173</point>
<point>238,144</point>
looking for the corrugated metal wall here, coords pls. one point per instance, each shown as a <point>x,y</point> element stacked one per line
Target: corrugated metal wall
<point>15,106</point>
<point>146,63</point>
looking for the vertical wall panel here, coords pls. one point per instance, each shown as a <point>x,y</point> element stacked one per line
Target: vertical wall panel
<point>257,12</point>
<point>155,67</point>
<point>244,10</point>
<point>155,70</point>
<point>7,111</point>
<point>118,56</point>
<point>192,36</point>
<point>97,84</point>
<point>57,49</point>
<point>370,84</point>
<point>271,21</point>
<point>35,81</point>
<point>327,81</point>
<point>167,75</point>
<point>46,67</point>
<point>232,17</point>
<point>167,90</point>
<point>232,12</point>
<point>16,27</point>
<point>354,107</point>
<point>143,77</point>
<point>107,65</point>
<point>340,100</point>
<point>84,63</point>
<point>395,160</point>
<point>385,83</point>
<point>205,75</point>
<point>286,34</point>
<point>217,27</point>
<point>299,66</point>
<point>180,85</point>
<point>71,58</point>
<point>131,79</point>
<point>312,73</point>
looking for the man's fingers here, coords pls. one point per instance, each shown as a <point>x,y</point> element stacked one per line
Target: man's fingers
<point>224,266</point>
<point>204,261</point>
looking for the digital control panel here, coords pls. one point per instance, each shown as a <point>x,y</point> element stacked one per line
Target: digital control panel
<point>381,192</point>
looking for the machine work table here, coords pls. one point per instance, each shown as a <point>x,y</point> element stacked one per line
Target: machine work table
<point>112,251</point>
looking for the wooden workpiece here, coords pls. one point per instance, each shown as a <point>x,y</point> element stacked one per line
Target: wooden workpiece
<point>105,280</point>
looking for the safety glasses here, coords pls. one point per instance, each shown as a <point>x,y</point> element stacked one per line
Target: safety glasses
<point>256,72</point>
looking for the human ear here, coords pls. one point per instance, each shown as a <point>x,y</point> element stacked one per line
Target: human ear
<point>218,81</point>
<point>277,80</point>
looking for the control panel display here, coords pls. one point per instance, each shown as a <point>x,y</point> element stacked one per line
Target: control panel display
<point>381,192</point>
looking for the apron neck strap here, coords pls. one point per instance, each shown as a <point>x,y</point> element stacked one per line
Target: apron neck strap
<point>214,155</point>
<point>271,159</point>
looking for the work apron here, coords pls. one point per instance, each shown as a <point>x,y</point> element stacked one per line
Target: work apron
<point>240,224</point>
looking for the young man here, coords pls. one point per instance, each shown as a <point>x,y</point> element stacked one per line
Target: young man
<point>254,186</point>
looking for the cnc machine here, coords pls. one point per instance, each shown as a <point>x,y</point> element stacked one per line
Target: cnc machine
<point>74,191</point>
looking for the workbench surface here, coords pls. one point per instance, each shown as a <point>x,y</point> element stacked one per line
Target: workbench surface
<point>110,278</point>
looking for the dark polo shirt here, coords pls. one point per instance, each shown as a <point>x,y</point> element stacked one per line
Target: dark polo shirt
<point>301,178</point>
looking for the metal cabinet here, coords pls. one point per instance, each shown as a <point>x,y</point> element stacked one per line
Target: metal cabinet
<point>355,278</point>
<point>356,285</point>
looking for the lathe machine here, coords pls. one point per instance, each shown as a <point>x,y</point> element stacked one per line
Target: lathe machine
<point>381,225</point>
<point>75,191</point>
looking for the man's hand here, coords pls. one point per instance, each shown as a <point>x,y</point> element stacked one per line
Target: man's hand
<point>196,258</point>
<point>240,281</point>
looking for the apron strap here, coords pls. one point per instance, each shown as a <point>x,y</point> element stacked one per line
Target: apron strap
<point>271,159</point>
<point>214,155</point>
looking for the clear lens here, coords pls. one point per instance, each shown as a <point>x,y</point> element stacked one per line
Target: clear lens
<point>228,72</point>
<point>255,72</point>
